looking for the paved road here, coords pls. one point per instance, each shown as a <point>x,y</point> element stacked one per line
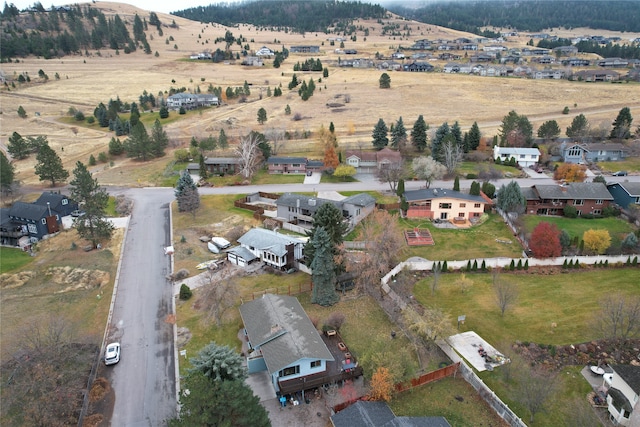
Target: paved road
<point>144,380</point>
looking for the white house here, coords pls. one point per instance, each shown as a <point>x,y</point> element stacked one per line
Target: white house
<point>525,157</point>
<point>264,51</point>
<point>272,248</point>
<point>623,394</point>
<point>191,100</point>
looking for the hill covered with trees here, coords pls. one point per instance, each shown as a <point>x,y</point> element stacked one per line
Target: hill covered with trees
<point>527,15</point>
<point>299,16</point>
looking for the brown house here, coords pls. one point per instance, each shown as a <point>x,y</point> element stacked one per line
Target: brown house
<point>586,197</point>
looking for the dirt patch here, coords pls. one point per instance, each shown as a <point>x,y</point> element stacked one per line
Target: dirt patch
<point>99,389</point>
<point>101,403</point>
<point>16,280</point>
<point>77,278</point>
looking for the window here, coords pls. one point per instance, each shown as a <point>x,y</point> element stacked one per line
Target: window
<point>579,212</point>
<point>443,215</point>
<point>460,214</point>
<point>43,221</point>
<point>32,228</point>
<point>463,205</point>
<point>445,205</point>
<point>476,214</point>
<point>597,212</point>
<point>578,202</point>
<point>522,156</point>
<point>65,201</point>
<point>296,165</point>
<point>316,364</point>
<point>292,370</point>
<point>476,205</point>
<point>599,202</point>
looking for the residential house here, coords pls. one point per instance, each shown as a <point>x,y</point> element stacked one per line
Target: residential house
<point>390,65</point>
<point>544,59</point>
<point>350,52</point>
<point>371,161</point>
<point>283,341</point>
<point>589,198</point>
<point>548,74</point>
<point>537,51</point>
<point>566,50</point>
<point>217,166</point>
<point>597,75</point>
<point>483,57</point>
<point>190,101</point>
<point>625,193</point>
<point>448,56</point>
<point>201,56</point>
<point>287,165</point>
<point>33,220</point>
<point>494,48</point>
<point>418,67</point>
<point>59,203</point>
<point>252,61</point>
<point>592,152</point>
<point>525,157</point>
<point>422,45</point>
<point>305,49</point>
<point>265,52</point>
<point>623,394</point>
<point>576,62</point>
<point>299,209</point>
<point>443,204</point>
<point>613,62</point>
<point>397,55</point>
<point>455,67</point>
<point>276,250</point>
<point>378,414</point>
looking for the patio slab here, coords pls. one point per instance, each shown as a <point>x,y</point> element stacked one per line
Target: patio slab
<point>467,345</point>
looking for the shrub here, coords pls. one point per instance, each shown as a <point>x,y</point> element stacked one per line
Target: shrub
<point>484,266</point>
<point>475,265</point>
<point>180,274</point>
<point>512,266</point>
<point>469,265</point>
<point>472,176</point>
<point>79,116</point>
<point>102,157</point>
<point>570,212</point>
<point>91,120</point>
<point>564,264</point>
<point>606,263</point>
<point>182,111</point>
<point>445,268</point>
<point>336,320</point>
<point>297,117</point>
<point>519,264</point>
<point>185,292</point>
<point>92,160</point>
<point>526,264</point>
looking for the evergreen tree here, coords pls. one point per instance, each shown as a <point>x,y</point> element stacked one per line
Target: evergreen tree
<point>380,138</point>
<point>138,145</point>
<point>134,117</point>
<point>186,193</point>
<point>475,189</point>
<point>287,110</point>
<point>419,134</point>
<point>474,137</point>
<point>159,139</point>
<point>579,127</point>
<point>332,128</point>
<point>218,363</point>
<point>115,147</point>
<point>438,141</point>
<point>457,133</point>
<point>7,174</point>
<point>398,134</point>
<point>549,130</point>
<point>385,81</point>
<point>516,131</point>
<point>622,125</point>
<point>329,217</point>
<point>49,166</point>
<point>456,184</point>
<point>323,270</point>
<point>262,115</point>
<point>164,112</point>
<point>18,147</point>
<point>203,167</point>
<point>511,199</point>
<point>223,142</point>
<point>85,190</point>
<point>400,190</point>
<point>21,112</point>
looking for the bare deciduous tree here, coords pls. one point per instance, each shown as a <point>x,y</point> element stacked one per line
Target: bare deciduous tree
<point>506,293</point>
<point>249,154</point>
<point>428,169</point>
<point>535,390</point>
<point>277,138</point>
<point>391,173</point>
<point>451,155</point>
<point>619,317</point>
<point>431,325</point>
<point>220,292</point>
<point>437,270</point>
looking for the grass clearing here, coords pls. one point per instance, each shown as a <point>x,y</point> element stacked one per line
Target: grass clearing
<point>576,227</point>
<point>13,259</point>
<point>629,165</point>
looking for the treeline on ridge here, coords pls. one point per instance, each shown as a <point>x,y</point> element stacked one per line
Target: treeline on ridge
<point>528,15</point>
<point>64,31</point>
<point>299,16</point>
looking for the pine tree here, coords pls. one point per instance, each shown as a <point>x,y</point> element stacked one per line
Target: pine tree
<point>622,125</point>
<point>380,138</point>
<point>18,147</point>
<point>85,190</point>
<point>49,166</point>
<point>329,217</point>
<point>385,81</point>
<point>400,190</point>
<point>138,145</point>
<point>323,270</point>
<point>159,139</point>
<point>187,195</point>
<point>474,137</point>
<point>7,173</point>
<point>203,167</point>
<point>419,134</point>
<point>398,134</point>
<point>456,184</point>
<point>223,142</point>
<point>262,115</point>
<point>218,363</point>
<point>21,112</point>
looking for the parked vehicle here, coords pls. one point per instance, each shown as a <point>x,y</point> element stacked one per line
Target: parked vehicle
<point>112,354</point>
<point>620,173</point>
<point>77,213</point>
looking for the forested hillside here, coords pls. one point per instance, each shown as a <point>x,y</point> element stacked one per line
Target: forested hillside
<point>68,30</point>
<point>300,16</point>
<point>528,15</point>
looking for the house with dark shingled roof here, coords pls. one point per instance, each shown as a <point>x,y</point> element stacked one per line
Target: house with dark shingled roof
<point>623,394</point>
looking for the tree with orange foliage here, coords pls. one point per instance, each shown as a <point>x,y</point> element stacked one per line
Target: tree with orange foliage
<point>381,385</point>
<point>570,172</point>
<point>330,157</point>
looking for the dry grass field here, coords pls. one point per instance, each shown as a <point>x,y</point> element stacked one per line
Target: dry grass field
<point>87,80</point>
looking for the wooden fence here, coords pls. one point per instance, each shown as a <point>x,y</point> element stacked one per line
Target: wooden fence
<point>285,290</point>
<point>429,377</point>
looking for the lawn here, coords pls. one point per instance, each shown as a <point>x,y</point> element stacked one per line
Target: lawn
<point>442,398</point>
<point>570,300</point>
<point>466,168</point>
<point>479,241</point>
<point>576,227</point>
<point>629,165</point>
<point>13,259</point>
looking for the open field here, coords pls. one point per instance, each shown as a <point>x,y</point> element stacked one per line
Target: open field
<point>87,80</point>
<point>618,228</point>
<point>13,259</point>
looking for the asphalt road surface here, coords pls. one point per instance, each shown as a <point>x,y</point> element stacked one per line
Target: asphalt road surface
<point>144,381</point>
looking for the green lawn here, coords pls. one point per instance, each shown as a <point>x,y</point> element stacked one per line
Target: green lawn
<point>466,168</point>
<point>12,259</point>
<point>570,300</point>
<point>479,241</point>
<point>576,227</point>
<point>629,165</point>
